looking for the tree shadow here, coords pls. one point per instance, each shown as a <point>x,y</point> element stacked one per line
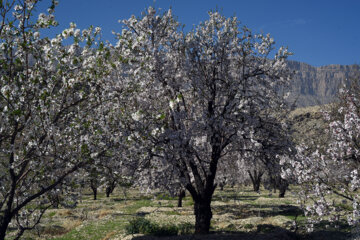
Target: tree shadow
<point>264,232</point>
<point>120,199</point>
<point>264,210</point>
<point>235,197</point>
<point>276,233</point>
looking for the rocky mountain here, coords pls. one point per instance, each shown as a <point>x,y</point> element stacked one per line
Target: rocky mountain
<point>318,85</point>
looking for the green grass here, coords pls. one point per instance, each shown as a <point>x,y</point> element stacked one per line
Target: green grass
<point>94,231</point>
<point>131,209</point>
<point>234,210</point>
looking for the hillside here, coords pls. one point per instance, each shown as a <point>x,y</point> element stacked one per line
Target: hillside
<point>308,125</point>
<point>318,85</point>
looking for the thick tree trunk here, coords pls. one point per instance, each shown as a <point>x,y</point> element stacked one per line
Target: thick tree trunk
<point>256,179</point>
<point>181,196</point>
<point>4,225</point>
<point>203,215</point>
<point>283,185</point>
<point>280,184</point>
<point>282,194</point>
<point>256,185</point>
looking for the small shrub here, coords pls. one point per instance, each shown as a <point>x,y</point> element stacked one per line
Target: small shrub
<point>144,226</point>
<point>167,230</point>
<point>139,225</point>
<point>248,226</point>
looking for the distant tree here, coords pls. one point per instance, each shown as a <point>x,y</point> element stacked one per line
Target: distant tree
<point>274,137</point>
<point>271,139</point>
<point>197,94</point>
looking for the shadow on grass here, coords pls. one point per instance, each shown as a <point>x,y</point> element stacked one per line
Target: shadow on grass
<point>244,211</point>
<point>264,233</point>
<point>285,235</point>
<point>131,199</point>
<point>234,197</point>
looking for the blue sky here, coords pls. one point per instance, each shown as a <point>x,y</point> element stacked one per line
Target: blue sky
<point>318,32</point>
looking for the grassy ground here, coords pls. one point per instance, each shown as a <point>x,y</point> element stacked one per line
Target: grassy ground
<point>236,215</point>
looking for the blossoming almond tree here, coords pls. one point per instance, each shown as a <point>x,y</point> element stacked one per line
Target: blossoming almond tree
<point>199,94</point>
<point>48,95</point>
<point>333,169</point>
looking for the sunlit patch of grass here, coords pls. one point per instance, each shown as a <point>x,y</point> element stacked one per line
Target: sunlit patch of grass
<point>95,231</point>
<point>172,213</point>
<point>131,209</point>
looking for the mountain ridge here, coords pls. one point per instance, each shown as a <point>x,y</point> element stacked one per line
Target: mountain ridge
<point>312,85</point>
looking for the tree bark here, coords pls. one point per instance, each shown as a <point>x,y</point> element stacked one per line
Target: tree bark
<point>256,179</point>
<point>94,189</point>
<point>108,192</point>
<point>4,225</point>
<point>283,185</point>
<point>181,196</point>
<point>256,186</point>
<point>203,215</point>
<point>110,188</point>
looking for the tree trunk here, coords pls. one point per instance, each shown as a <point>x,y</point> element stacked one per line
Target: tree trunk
<point>282,194</point>
<point>256,179</point>
<point>4,225</point>
<point>108,192</point>
<point>273,183</point>
<point>181,196</point>
<point>283,185</point>
<point>110,188</point>
<point>203,215</point>
<point>256,186</point>
<point>93,188</point>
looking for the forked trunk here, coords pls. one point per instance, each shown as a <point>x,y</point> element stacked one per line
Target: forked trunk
<point>110,188</point>
<point>203,215</point>
<point>256,179</point>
